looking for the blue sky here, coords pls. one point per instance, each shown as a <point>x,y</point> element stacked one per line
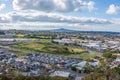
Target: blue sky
<point>93,15</point>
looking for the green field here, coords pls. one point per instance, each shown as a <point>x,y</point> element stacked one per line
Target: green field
<point>90,56</point>
<point>33,36</point>
<point>52,48</point>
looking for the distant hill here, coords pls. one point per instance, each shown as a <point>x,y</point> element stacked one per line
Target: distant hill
<point>62,30</point>
<point>68,30</point>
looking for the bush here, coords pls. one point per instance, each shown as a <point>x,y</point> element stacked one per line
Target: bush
<point>80,71</point>
<point>73,68</point>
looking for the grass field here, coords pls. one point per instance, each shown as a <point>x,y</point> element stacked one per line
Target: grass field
<point>32,36</point>
<point>90,56</point>
<point>48,47</point>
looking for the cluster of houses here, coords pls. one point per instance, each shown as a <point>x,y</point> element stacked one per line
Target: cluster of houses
<point>99,45</point>
<point>94,45</point>
<point>37,63</point>
<point>33,64</point>
<point>40,63</point>
<point>115,63</point>
<point>51,59</point>
<point>5,60</point>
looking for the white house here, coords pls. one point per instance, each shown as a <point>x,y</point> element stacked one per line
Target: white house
<point>60,73</point>
<point>64,41</point>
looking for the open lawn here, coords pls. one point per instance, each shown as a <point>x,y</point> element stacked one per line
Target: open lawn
<point>52,48</point>
<point>35,46</point>
<point>20,35</point>
<point>90,56</point>
<point>32,36</point>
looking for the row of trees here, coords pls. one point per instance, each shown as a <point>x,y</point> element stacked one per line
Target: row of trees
<point>20,77</point>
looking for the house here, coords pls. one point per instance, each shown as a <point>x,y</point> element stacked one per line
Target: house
<point>61,74</point>
<point>34,73</point>
<point>82,64</point>
<point>64,41</point>
<point>115,63</point>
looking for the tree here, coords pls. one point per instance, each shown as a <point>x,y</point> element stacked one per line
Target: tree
<point>73,68</point>
<point>109,56</point>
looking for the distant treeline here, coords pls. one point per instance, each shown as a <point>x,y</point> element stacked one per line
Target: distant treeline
<point>2,33</point>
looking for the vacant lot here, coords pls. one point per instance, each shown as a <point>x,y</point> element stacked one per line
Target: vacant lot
<point>48,47</point>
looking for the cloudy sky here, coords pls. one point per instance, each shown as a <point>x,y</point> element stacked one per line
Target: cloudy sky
<point>90,15</point>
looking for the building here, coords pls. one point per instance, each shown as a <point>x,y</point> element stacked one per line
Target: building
<point>61,74</point>
<point>64,41</point>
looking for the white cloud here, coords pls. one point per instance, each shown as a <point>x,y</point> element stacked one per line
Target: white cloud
<point>36,16</point>
<point>113,9</point>
<point>2,6</point>
<point>4,18</point>
<point>91,6</point>
<point>48,26</point>
<point>36,20</point>
<point>53,5</point>
<point>116,20</point>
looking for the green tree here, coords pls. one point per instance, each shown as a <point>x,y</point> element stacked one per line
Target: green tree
<point>109,56</point>
<point>73,68</point>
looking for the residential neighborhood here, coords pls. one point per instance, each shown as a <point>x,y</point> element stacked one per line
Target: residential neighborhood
<point>63,55</point>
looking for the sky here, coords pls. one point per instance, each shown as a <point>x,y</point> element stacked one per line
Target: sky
<point>85,15</point>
